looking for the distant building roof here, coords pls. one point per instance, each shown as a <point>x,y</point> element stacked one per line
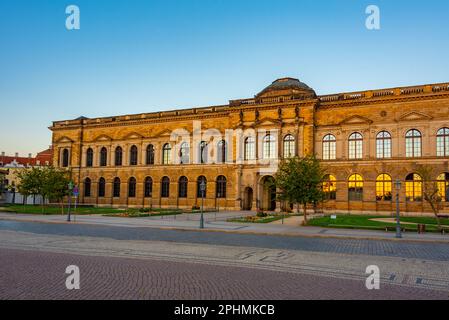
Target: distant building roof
<point>284,84</point>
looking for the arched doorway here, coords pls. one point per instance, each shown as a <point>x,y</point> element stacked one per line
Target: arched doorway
<point>268,197</point>
<point>248,199</point>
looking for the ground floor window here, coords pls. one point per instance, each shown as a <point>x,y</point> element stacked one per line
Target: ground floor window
<point>383,188</point>
<point>355,188</point>
<point>413,187</point>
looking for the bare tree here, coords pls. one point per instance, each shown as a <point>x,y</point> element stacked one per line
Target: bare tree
<point>430,189</point>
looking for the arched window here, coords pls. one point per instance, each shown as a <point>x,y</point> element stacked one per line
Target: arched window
<point>132,187</point>
<point>150,154</point>
<point>383,188</point>
<point>250,150</point>
<point>103,157</point>
<point>203,152</point>
<point>65,158</point>
<point>269,147</point>
<point>182,187</point>
<point>166,154</point>
<point>89,157</point>
<point>413,144</point>
<point>148,187</point>
<point>165,187</point>
<point>118,156</point>
<point>133,156</point>
<point>330,187</point>
<point>221,152</point>
<point>116,188</point>
<point>413,187</point>
<point>289,146</point>
<point>87,187</point>
<point>443,142</point>
<point>199,181</point>
<point>355,146</point>
<point>184,153</point>
<point>383,145</point>
<point>101,188</point>
<point>443,186</point>
<point>329,147</point>
<point>221,187</point>
<point>355,187</point>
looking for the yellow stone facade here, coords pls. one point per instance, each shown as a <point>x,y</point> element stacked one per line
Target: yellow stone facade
<point>287,107</point>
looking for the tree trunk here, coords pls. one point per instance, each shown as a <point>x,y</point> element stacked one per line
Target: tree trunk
<point>305,213</point>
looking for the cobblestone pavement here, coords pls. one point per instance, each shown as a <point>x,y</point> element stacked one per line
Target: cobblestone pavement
<point>40,275</point>
<point>230,266</point>
<point>409,250</point>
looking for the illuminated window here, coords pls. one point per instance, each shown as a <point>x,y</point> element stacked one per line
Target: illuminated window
<point>269,147</point>
<point>355,146</point>
<point>443,142</point>
<point>355,187</point>
<point>443,186</point>
<point>383,145</point>
<point>249,148</point>
<point>413,187</point>
<point>329,147</point>
<point>330,187</point>
<point>166,154</point>
<point>289,146</point>
<point>413,144</point>
<point>383,188</point>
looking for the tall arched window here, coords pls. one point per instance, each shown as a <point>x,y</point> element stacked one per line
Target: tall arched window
<point>443,186</point>
<point>203,150</point>
<point>355,146</point>
<point>383,188</point>
<point>355,187</point>
<point>289,146</point>
<point>182,187</point>
<point>184,153</point>
<point>116,187</point>
<point>132,187</point>
<point>166,154</point>
<point>148,190</point>
<point>118,156</point>
<point>165,187</point>
<point>330,187</point>
<point>383,145</point>
<point>199,181</point>
<point>150,154</point>
<point>413,187</point>
<point>443,142</point>
<point>221,187</point>
<point>413,144</point>
<point>269,147</point>
<point>101,188</point>
<point>89,157</point>
<point>221,152</point>
<point>65,158</point>
<point>133,156</point>
<point>103,157</point>
<point>329,147</point>
<point>250,149</point>
<point>87,187</point>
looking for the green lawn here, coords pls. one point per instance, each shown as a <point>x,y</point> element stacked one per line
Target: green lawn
<point>49,210</point>
<point>364,222</point>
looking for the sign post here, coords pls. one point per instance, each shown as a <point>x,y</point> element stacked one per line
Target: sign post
<point>70,187</point>
<point>76,193</point>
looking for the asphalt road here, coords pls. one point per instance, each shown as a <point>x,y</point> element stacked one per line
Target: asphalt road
<point>41,275</point>
<point>409,250</point>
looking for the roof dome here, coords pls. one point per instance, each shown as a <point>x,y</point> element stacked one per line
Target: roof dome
<point>286,86</point>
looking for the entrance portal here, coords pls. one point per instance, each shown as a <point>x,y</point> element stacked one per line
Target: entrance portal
<point>248,199</point>
<point>268,194</point>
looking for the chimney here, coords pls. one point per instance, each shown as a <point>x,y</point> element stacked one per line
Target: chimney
<point>3,153</point>
<point>17,154</point>
<point>29,155</point>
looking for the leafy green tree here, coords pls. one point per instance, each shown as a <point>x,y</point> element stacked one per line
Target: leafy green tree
<point>30,181</point>
<point>300,182</point>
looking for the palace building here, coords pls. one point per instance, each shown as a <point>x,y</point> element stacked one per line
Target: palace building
<point>366,141</point>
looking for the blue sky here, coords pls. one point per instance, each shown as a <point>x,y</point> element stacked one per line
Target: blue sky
<point>141,56</point>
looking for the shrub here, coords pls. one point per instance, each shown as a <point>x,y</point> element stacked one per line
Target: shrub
<point>261,214</point>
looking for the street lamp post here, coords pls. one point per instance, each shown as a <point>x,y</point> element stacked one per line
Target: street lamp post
<point>70,199</point>
<point>202,188</point>
<point>398,222</point>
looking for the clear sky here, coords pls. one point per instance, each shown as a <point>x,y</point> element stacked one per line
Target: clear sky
<point>133,56</point>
